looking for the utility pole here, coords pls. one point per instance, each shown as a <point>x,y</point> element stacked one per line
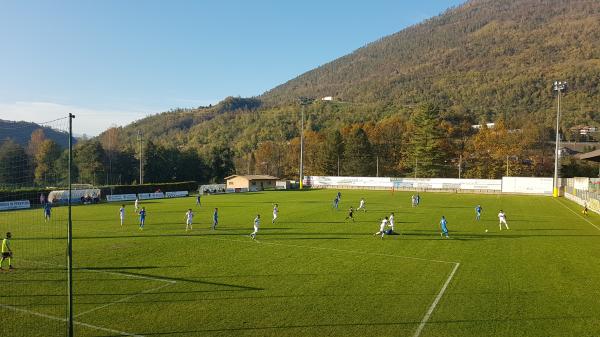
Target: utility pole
<point>507,166</point>
<point>338,165</point>
<point>377,163</point>
<point>141,157</point>
<point>304,101</point>
<point>559,87</point>
<point>459,166</point>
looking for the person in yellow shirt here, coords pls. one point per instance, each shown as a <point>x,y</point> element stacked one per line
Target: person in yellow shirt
<point>6,251</point>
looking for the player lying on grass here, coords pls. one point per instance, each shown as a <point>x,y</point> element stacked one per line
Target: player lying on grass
<point>6,252</point>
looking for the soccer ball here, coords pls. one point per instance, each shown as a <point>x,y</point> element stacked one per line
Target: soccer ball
<point>486,230</point>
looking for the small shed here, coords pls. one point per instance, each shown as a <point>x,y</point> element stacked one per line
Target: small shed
<point>250,182</point>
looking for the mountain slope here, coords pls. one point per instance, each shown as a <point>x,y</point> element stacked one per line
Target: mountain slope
<point>20,132</point>
<point>487,57</point>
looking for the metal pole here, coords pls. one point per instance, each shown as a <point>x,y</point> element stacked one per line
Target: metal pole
<point>377,161</point>
<point>338,165</point>
<point>141,158</point>
<point>459,166</point>
<point>555,180</point>
<point>416,166</point>
<point>507,166</point>
<point>302,146</point>
<point>70,233</point>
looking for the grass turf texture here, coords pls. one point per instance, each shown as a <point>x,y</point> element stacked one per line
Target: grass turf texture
<point>311,273</point>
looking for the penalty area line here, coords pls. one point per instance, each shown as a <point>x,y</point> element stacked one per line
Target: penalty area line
<point>123,299</point>
<point>435,302</point>
<point>54,318</point>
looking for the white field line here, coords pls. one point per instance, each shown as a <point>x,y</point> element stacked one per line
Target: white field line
<point>433,305</point>
<point>54,318</point>
<point>109,272</point>
<point>579,215</point>
<point>331,249</point>
<point>124,299</point>
<point>435,302</point>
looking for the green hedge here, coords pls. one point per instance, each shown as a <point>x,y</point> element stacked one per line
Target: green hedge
<point>33,194</point>
<point>190,186</point>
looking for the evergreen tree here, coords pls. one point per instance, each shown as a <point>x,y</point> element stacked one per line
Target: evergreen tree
<point>425,151</point>
<point>14,165</point>
<point>358,159</point>
<point>333,151</point>
<point>90,159</point>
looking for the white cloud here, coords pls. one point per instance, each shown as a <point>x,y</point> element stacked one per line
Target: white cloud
<point>87,120</point>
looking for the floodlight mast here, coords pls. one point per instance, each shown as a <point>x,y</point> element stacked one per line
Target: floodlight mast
<point>304,101</point>
<point>559,87</point>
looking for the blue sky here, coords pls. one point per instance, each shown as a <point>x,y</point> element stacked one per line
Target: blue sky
<point>112,62</point>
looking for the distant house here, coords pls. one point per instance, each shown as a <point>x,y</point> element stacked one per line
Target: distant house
<point>327,98</point>
<point>251,182</point>
<point>479,126</point>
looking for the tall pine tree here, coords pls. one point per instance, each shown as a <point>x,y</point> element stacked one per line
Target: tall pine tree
<point>333,152</point>
<point>425,152</point>
<point>358,159</point>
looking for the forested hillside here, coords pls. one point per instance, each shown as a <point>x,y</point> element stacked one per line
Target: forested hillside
<point>402,105</point>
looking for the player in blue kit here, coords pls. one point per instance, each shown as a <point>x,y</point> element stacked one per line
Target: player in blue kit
<point>215,218</point>
<point>478,210</point>
<point>142,217</point>
<point>443,225</point>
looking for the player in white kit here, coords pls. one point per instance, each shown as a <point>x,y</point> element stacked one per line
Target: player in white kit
<point>384,223</point>
<point>391,224</point>
<point>189,217</point>
<point>502,218</point>
<point>256,226</point>
<point>362,205</point>
<point>122,214</point>
<point>136,204</point>
<point>275,212</point>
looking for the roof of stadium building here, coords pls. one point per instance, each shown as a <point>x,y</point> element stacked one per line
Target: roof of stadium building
<point>593,156</point>
<point>253,177</point>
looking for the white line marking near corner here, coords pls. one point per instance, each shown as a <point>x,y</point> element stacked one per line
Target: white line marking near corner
<point>435,302</point>
<point>579,215</point>
<point>124,299</point>
<point>54,318</point>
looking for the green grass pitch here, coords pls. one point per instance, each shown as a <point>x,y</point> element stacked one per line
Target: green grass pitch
<point>311,273</point>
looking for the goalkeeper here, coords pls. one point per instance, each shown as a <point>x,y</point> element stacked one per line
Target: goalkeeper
<point>6,251</point>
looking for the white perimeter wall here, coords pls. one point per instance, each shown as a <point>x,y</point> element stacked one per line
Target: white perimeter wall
<point>504,185</point>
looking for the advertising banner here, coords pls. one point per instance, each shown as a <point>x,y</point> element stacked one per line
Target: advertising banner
<point>527,185</point>
<point>145,196</point>
<point>120,197</point>
<point>17,204</point>
<point>176,194</point>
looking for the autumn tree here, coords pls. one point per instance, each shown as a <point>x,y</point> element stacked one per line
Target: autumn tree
<point>45,158</point>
